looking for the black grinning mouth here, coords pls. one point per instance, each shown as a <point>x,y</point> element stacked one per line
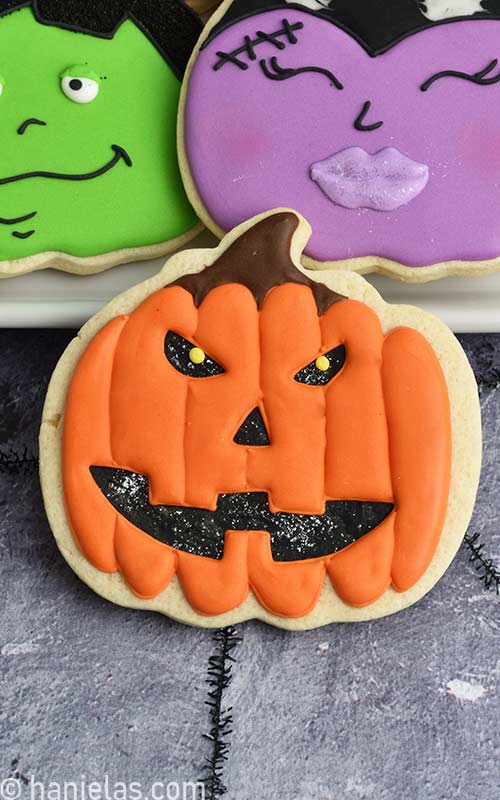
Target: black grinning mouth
<point>294,537</point>
<point>120,154</point>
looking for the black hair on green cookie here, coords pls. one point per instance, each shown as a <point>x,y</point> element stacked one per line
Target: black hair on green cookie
<point>171,25</point>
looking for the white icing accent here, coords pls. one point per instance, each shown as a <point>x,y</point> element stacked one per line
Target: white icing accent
<point>315,5</point>
<point>19,648</point>
<point>86,94</point>
<point>464,690</point>
<point>436,10</point>
<point>1,88</point>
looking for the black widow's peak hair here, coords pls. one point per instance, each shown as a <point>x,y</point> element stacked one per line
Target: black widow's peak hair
<point>170,25</point>
<point>378,25</point>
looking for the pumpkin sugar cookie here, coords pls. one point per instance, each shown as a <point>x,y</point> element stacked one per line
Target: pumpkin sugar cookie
<point>89,92</point>
<point>237,438</point>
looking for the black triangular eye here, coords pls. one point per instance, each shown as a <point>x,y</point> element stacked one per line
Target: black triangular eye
<point>189,359</point>
<point>321,371</point>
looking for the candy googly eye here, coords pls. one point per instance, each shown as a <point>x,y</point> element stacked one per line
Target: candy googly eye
<point>80,89</point>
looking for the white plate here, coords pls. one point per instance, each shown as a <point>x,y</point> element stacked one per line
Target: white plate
<point>51,299</point>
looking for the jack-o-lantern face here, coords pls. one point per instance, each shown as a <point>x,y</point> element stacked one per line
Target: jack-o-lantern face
<point>248,427</point>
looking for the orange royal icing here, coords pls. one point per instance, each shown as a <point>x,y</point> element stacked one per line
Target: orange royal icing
<point>379,431</point>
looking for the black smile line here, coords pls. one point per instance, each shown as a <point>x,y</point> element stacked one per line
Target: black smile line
<point>294,537</point>
<point>17,220</point>
<point>26,235</point>
<point>120,154</point>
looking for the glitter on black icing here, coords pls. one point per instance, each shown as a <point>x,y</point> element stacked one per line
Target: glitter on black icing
<point>177,350</point>
<point>313,376</point>
<point>294,537</point>
<point>170,25</point>
<point>253,432</point>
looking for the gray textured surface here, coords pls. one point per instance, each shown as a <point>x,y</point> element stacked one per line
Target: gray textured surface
<point>375,711</point>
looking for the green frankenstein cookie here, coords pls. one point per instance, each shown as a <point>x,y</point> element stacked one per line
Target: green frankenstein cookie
<point>88,103</point>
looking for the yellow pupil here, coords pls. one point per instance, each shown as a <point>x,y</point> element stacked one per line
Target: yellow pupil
<point>323,364</point>
<point>196,355</point>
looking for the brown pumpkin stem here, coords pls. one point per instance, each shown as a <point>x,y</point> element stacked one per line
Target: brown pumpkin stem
<point>259,259</point>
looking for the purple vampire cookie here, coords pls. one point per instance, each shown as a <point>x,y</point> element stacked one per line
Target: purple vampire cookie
<point>390,147</point>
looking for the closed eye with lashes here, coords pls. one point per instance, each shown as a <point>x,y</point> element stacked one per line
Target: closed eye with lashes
<point>481,78</point>
<point>280,39</point>
<point>275,72</point>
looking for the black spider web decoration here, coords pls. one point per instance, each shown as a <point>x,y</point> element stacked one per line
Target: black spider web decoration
<point>220,667</point>
<point>489,379</point>
<point>487,571</point>
<point>17,462</point>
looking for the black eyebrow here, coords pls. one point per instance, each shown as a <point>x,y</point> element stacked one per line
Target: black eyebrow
<point>282,74</point>
<point>477,77</point>
<point>250,44</point>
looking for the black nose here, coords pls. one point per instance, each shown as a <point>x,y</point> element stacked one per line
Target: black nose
<point>359,122</point>
<point>252,432</point>
<point>26,124</point>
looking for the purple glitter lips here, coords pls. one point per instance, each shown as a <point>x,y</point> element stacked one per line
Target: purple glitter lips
<point>384,181</point>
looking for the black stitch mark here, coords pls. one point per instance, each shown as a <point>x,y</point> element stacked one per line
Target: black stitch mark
<point>478,77</point>
<point>220,667</point>
<point>359,123</point>
<point>14,463</point>
<point>282,74</point>
<point>26,235</point>
<point>250,44</point>
<point>488,573</point>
